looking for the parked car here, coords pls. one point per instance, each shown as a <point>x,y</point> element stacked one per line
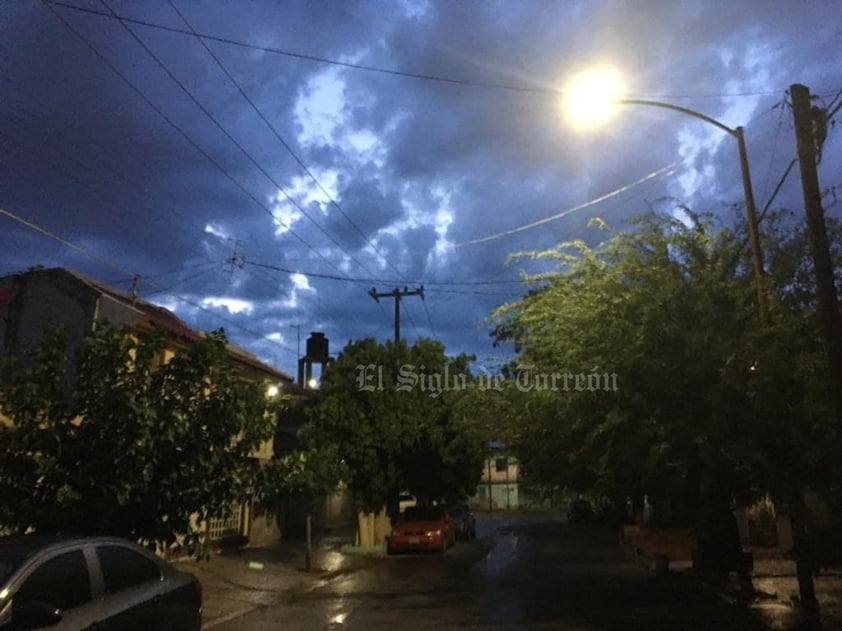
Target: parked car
<point>464,522</point>
<point>579,511</point>
<point>422,528</point>
<point>96,582</point>
<point>405,500</point>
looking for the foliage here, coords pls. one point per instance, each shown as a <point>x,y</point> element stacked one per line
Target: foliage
<point>316,472</point>
<point>134,448</point>
<point>707,399</point>
<point>388,411</point>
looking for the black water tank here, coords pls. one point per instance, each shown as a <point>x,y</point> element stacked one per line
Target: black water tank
<point>318,346</point>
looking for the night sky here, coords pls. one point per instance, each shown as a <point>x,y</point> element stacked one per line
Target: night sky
<point>268,175</point>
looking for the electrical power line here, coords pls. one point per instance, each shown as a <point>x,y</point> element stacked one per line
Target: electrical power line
<point>432,77</point>
<point>124,270</point>
<point>236,143</point>
<point>280,138</point>
<point>453,283</point>
<point>186,136</point>
<point>778,127</point>
<point>216,122</point>
<point>663,171</point>
<point>295,156</point>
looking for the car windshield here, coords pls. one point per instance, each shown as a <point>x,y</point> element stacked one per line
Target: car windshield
<point>15,549</point>
<point>10,561</point>
<point>422,513</point>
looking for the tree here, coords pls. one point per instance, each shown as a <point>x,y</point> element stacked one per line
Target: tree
<point>710,405</point>
<point>116,443</point>
<point>387,410</point>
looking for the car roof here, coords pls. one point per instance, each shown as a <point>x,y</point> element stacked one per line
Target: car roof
<point>24,546</point>
<point>423,513</point>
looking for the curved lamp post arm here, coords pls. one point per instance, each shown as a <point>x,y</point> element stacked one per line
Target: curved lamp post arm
<point>751,211</point>
<point>677,108</point>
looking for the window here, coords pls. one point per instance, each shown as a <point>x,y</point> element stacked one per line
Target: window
<point>123,568</point>
<point>502,464</point>
<point>62,581</point>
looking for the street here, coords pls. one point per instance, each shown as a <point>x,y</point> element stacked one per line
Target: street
<point>522,572</point>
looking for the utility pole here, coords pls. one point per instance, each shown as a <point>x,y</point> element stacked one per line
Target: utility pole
<point>397,294</point>
<point>809,122</point>
<point>810,130</point>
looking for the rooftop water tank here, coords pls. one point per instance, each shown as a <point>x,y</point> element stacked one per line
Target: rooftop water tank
<point>318,346</point>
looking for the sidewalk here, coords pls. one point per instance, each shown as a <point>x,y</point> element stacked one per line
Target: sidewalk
<point>236,582</point>
<point>773,577</point>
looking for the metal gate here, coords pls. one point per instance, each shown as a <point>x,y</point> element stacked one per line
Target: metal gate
<point>229,525</point>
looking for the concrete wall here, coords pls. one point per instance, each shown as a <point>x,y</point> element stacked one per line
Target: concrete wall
<point>43,301</point>
<point>263,529</point>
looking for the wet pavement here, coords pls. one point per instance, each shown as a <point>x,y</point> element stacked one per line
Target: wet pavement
<point>778,586</point>
<point>239,582</point>
<point>523,572</point>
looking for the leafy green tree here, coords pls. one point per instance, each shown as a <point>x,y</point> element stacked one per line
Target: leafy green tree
<point>388,412</point>
<point>628,307</point>
<point>119,444</point>
<point>709,405</point>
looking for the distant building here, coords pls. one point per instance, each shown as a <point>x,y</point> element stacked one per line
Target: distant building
<point>499,487</point>
<point>35,302</point>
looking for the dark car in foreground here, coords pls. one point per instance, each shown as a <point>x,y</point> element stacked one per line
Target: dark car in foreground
<point>422,528</point>
<point>93,583</point>
<point>464,522</point>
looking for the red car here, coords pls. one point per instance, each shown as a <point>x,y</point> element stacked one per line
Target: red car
<point>422,528</point>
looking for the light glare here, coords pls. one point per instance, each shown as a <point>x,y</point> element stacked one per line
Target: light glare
<point>590,98</point>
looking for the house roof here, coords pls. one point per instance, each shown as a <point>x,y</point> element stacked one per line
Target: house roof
<point>157,317</point>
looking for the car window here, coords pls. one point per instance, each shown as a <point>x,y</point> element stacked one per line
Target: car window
<point>6,570</point>
<point>62,581</point>
<point>423,513</point>
<point>123,568</point>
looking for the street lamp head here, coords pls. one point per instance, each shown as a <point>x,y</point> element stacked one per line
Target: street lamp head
<point>590,97</point>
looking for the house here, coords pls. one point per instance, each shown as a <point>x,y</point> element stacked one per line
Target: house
<point>34,302</point>
<point>499,485</point>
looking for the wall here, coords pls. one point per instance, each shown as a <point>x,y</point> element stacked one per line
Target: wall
<point>43,301</point>
<point>500,486</point>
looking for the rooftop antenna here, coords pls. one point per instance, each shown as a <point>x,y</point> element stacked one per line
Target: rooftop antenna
<point>134,289</point>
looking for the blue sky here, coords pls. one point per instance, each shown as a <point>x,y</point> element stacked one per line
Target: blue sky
<point>265,177</point>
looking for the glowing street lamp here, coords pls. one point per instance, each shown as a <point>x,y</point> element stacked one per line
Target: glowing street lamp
<point>591,98</point>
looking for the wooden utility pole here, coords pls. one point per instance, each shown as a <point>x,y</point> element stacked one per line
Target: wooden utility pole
<point>810,127</point>
<point>808,123</point>
<point>397,294</point>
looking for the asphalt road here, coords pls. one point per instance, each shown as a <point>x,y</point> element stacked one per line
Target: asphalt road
<point>524,572</point>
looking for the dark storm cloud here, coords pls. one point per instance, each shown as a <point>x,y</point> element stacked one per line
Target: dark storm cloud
<point>364,200</point>
<point>82,154</point>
